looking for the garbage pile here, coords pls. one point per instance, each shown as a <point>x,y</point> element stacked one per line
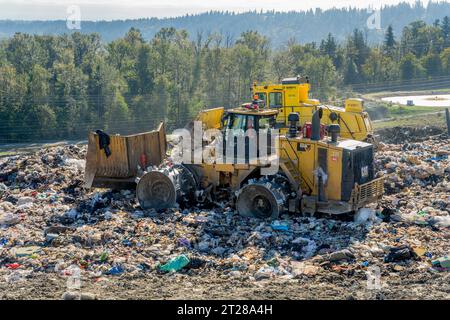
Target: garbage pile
<point>400,135</point>
<point>50,225</point>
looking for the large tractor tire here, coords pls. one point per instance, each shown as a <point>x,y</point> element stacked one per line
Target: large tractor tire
<point>263,198</point>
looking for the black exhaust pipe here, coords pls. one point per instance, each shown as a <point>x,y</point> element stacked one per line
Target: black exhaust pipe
<point>293,119</point>
<point>334,130</point>
<point>315,122</point>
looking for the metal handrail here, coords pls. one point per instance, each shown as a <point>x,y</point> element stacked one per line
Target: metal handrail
<point>309,184</point>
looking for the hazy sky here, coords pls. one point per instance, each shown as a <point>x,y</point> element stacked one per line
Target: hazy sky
<point>123,9</point>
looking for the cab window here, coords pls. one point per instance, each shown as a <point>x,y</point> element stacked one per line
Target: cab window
<point>266,122</point>
<point>241,122</point>
<point>250,122</point>
<point>275,99</point>
<point>237,122</point>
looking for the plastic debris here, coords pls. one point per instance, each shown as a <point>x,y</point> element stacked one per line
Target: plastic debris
<point>278,226</point>
<point>13,266</point>
<point>302,268</point>
<point>400,253</point>
<point>27,251</point>
<point>175,264</point>
<point>365,215</point>
<point>441,221</point>
<point>116,270</point>
<point>342,255</point>
<point>184,242</point>
<point>419,251</point>
<point>443,262</point>
<point>9,219</point>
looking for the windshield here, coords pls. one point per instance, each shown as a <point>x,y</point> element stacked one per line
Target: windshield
<point>237,122</point>
<point>275,99</point>
<point>266,122</point>
<point>246,122</point>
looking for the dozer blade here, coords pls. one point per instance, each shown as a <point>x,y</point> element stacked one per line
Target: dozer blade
<point>119,169</point>
<point>210,119</point>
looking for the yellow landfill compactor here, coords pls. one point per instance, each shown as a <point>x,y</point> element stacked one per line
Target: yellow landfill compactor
<point>292,95</point>
<point>288,173</point>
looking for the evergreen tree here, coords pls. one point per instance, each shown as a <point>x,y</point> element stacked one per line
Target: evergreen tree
<point>389,41</point>
<point>445,27</point>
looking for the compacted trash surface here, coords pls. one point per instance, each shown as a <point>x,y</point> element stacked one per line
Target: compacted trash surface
<point>59,241</point>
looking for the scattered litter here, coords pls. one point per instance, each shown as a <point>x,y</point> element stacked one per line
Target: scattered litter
<point>443,262</point>
<point>49,222</point>
<point>400,253</point>
<point>342,255</point>
<point>365,215</point>
<point>278,226</point>
<point>27,251</point>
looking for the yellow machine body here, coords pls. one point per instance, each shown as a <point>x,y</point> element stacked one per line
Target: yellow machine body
<point>211,118</point>
<point>313,174</point>
<point>349,181</point>
<point>293,96</point>
<point>347,164</point>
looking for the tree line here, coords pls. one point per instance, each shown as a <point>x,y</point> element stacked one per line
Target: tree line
<point>55,87</point>
<point>305,26</point>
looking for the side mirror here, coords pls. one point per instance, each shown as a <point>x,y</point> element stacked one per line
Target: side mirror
<point>224,119</point>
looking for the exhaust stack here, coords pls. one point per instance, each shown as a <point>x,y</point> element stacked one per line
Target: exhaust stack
<point>315,122</point>
<point>334,130</point>
<point>293,119</point>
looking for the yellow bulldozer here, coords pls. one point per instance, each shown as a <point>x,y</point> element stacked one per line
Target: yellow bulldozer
<point>263,171</point>
<point>292,95</point>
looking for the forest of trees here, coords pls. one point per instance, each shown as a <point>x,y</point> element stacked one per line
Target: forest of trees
<point>62,86</point>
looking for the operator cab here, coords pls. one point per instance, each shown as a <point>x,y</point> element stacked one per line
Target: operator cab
<point>244,125</point>
<point>247,119</point>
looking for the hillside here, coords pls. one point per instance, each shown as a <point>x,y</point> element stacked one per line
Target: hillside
<point>279,27</point>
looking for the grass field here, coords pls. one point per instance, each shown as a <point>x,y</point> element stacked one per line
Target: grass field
<point>390,115</point>
<point>403,111</point>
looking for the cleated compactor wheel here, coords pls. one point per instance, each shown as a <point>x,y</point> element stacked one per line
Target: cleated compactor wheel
<point>262,198</point>
<point>161,189</point>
